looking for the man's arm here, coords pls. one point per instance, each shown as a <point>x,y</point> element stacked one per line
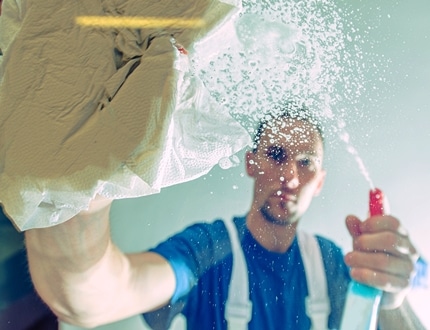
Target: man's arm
<point>86,280</point>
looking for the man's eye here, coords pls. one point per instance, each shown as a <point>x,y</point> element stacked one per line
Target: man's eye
<point>305,162</point>
<point>278,154</point>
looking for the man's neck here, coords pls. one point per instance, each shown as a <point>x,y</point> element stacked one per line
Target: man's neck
<point>273,237</point>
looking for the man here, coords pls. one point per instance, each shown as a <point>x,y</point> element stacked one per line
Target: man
<point>87,281</point>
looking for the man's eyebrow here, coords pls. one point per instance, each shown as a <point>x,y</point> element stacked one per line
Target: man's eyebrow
<point>274,145</point>
<point>313,153</point>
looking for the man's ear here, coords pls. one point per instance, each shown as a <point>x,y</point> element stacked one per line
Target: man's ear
<point>250,163</point>
<point>321,181</point>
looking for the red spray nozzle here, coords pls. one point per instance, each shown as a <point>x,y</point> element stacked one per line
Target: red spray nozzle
<point>377,202</point>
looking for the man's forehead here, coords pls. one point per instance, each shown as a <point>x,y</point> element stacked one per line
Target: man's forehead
<point>291,131</point>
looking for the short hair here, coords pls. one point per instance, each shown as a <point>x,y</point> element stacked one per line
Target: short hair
<point>287,110</point>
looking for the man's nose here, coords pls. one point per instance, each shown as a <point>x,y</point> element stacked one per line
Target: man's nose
<point>289,175</point>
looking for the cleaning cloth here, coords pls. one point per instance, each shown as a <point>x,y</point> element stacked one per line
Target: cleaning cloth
<point>111,111</point>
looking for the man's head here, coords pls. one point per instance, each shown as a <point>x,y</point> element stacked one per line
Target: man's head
<point>286,164</point>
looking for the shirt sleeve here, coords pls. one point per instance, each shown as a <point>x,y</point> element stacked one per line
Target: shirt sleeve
<point>191,253</point>
<point>421,278</point>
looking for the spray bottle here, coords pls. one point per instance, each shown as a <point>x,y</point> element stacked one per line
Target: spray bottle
<point>362,301</point>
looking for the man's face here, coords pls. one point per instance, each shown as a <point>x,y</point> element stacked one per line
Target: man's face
<point>287,169</point>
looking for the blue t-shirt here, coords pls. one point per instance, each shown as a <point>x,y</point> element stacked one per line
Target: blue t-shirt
<point>15,282</point>
<point>201,257</point>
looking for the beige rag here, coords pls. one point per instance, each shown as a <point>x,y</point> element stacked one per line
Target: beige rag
<point>116,112</point>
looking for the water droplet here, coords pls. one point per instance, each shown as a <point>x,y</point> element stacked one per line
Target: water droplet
<point>228,162</point>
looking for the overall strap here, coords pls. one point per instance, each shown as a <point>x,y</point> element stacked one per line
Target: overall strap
<point>317,302</point>
<point>238,308</point>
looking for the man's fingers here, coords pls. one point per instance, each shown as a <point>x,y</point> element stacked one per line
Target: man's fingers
<point>381,263</point>
<point>374,224</point>
<point>384,281</point>
<point>382,223</point>
<point>353,225</point>
<point>387,242</point>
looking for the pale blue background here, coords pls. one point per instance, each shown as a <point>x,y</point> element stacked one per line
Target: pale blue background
<point>392,138</point>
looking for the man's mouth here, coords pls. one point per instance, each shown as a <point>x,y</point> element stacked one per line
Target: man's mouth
<point>285,196</point>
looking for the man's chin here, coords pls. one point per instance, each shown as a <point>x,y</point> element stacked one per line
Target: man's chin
<point>278,220</point>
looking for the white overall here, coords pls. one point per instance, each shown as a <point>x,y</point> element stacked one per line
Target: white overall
<point>238,311</point>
